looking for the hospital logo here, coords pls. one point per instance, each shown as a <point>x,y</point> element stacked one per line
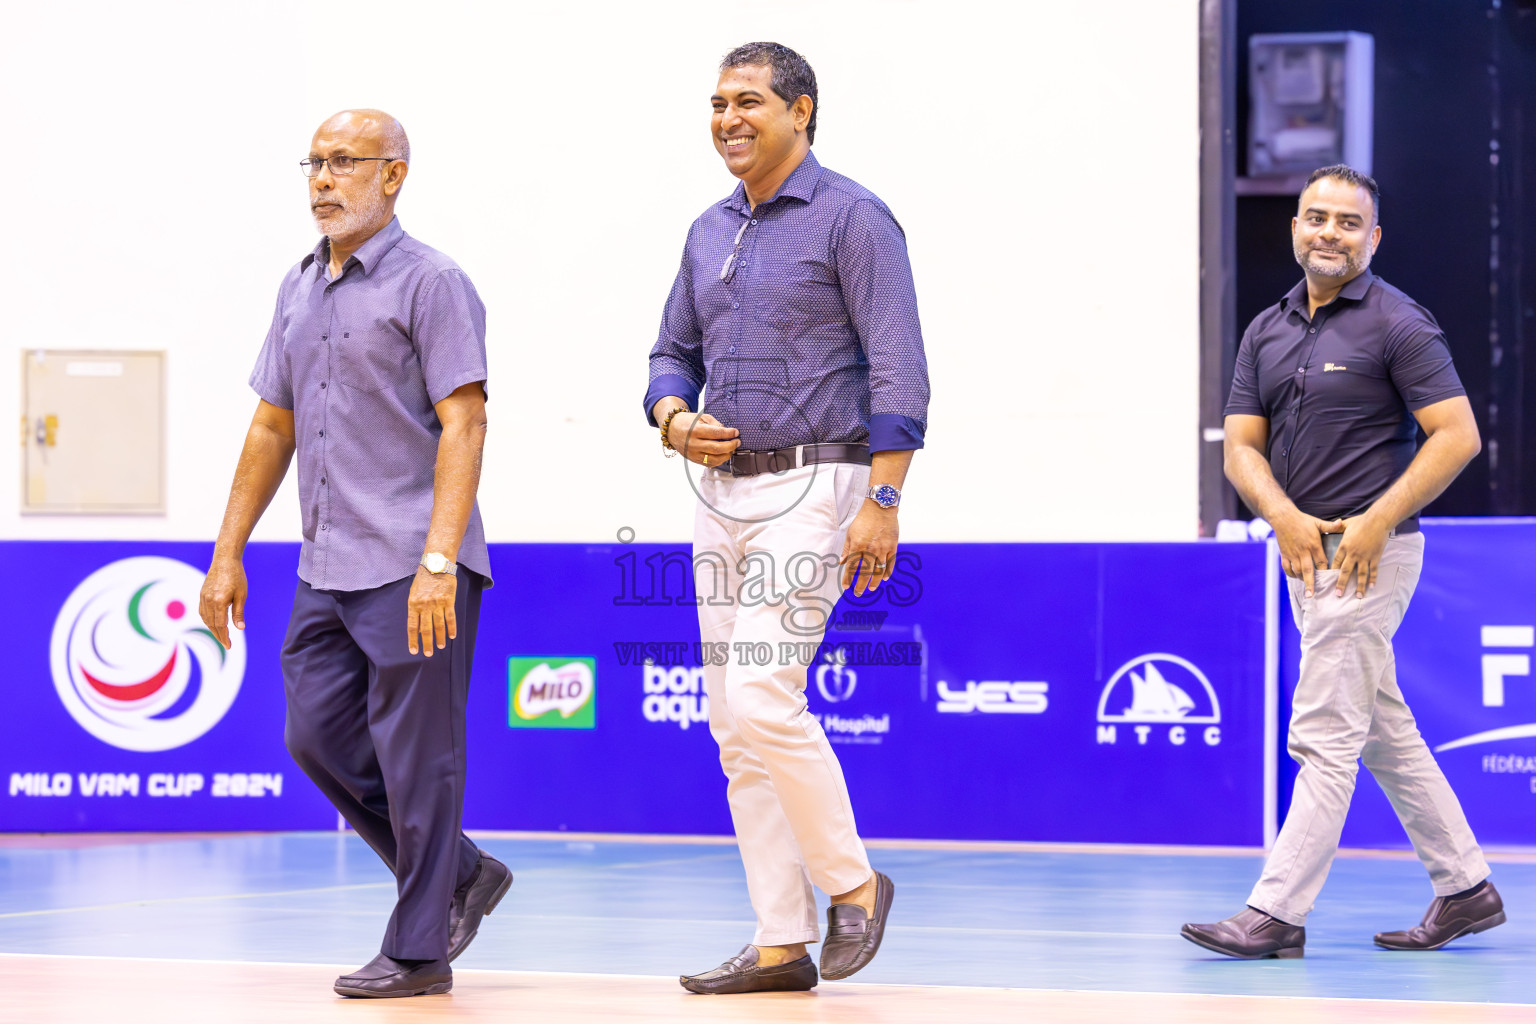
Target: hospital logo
<point>1159,695</point>
<point>835,682</point>
<point>552,693</point>
<point>133,665</point>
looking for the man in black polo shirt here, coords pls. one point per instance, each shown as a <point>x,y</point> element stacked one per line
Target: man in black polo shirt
<point>1331,386</point>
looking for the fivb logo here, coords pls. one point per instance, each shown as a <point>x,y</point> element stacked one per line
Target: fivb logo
<point>132,667</point>
<point>1159,691</point>
<point>552,693</point>
<point>1498,666</point>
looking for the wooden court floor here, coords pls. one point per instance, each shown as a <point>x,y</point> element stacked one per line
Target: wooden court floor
<point>164,929</point>
<point>70,990</point>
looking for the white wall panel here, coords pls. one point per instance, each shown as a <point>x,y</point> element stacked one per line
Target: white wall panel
<point>1042,158</point>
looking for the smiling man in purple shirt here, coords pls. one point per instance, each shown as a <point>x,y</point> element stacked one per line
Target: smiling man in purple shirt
<point>794,310</point>
<point>373,373</point>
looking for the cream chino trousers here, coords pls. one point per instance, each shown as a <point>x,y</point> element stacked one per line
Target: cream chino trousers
<point>1348,707</point>
<point>765,554</point>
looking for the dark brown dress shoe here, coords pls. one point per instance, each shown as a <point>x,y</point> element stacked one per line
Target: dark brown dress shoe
<point>1448,918</point>
<point>853,937</point>
<point>387,978</point>
<point>742,973</point>
<point>1249,935</point>
<point>479,897</point>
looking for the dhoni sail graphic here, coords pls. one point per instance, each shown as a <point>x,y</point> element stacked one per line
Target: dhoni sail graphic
<point>1156,699</point>
<point>1141,691</point>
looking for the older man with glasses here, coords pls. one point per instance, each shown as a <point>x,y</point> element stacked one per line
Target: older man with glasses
<point>795,309</point>
<point>374,372</point>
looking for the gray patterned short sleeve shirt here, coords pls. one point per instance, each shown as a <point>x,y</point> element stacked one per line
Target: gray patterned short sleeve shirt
<point>362,361</point>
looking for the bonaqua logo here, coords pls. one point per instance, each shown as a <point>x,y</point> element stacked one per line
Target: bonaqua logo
<point>132,664</point>
<point>675,694</point>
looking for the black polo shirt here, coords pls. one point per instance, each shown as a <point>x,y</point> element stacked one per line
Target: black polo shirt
<point>1338,390</point>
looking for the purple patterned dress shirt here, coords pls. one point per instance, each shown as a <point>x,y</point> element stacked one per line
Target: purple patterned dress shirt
<point>811,334</point>
<point>362,360</point>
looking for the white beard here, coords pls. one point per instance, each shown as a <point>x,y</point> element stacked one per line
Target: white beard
<point>355,216</point>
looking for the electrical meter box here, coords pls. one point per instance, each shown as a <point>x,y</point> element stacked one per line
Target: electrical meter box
<point>92,432</point>
<point>1313,95</point>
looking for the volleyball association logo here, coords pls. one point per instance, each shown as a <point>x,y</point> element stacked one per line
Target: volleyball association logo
<point>132,662</point>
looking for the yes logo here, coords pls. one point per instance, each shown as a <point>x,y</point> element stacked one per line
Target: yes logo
<point>552,693</point>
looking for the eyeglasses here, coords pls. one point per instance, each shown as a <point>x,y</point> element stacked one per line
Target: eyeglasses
<point>728,269</point>
<point>339,164</point>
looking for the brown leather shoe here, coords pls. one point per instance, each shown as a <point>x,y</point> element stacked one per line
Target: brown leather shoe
<point>1448,919</point>
<point>1249,935</point>
<point>387,978</point>
<point>478,898</point>
<point>853,937</point>
<point>743,973</point>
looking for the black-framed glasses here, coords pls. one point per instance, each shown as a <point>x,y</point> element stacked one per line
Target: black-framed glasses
<point>339,164</point>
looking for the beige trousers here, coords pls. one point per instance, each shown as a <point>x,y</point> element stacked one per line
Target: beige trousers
<point>1348,707</point>
<point>765,553</point>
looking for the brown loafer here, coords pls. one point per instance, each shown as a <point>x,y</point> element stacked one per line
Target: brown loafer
<point>387,978</point>
<point>743,973</point>
<point>478,898</point>
<point>1249,935</point>
<point>1448,919</point>
<point>853,937</point>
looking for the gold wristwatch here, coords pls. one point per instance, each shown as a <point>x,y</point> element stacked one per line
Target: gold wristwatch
<point>437,564</point>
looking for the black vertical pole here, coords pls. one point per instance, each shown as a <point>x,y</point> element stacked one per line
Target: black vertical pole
<point>1218,248</point>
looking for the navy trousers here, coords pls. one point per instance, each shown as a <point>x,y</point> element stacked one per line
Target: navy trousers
<point>381,732</point>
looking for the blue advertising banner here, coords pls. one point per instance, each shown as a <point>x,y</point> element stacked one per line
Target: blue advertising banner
<point>1104,693</point>
<point>125,714</point>
<point>1464,666</point>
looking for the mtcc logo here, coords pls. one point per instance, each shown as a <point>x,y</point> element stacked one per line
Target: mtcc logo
<point>133,665</point>
<point>836,682</point>
<point>1160,692</point>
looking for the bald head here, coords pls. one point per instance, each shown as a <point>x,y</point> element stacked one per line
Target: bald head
<point>367,125</point>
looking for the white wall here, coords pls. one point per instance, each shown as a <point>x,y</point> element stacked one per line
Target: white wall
<point>1042,158</point>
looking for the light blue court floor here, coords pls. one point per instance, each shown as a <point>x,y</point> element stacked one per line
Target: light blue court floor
<point>1037,918</point>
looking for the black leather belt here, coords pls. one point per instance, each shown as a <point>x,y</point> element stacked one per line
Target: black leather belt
<point>778,461</point>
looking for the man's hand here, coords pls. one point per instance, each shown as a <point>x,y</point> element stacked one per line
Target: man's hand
<point>429,612</point>
<point>1360,552</point>
<point>702,438</point>
<point>224,588</point>
<point>869,553</point>
<point>1301,544</point>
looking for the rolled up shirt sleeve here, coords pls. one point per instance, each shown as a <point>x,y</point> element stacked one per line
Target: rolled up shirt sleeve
<point>448,332</point>
<point>272,379</point>
<point>677,358</point>
<point>881,300</point>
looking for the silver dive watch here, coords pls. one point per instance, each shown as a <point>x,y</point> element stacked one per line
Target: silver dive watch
<point>437,564</point>
<point>885,496</point>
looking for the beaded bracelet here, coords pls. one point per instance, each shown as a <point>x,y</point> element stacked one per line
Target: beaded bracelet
<point>665,424</point>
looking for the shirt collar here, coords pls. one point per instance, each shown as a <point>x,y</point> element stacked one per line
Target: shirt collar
<point>367,256</point>
<point>801,184</point>
<point>1296,298</point>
